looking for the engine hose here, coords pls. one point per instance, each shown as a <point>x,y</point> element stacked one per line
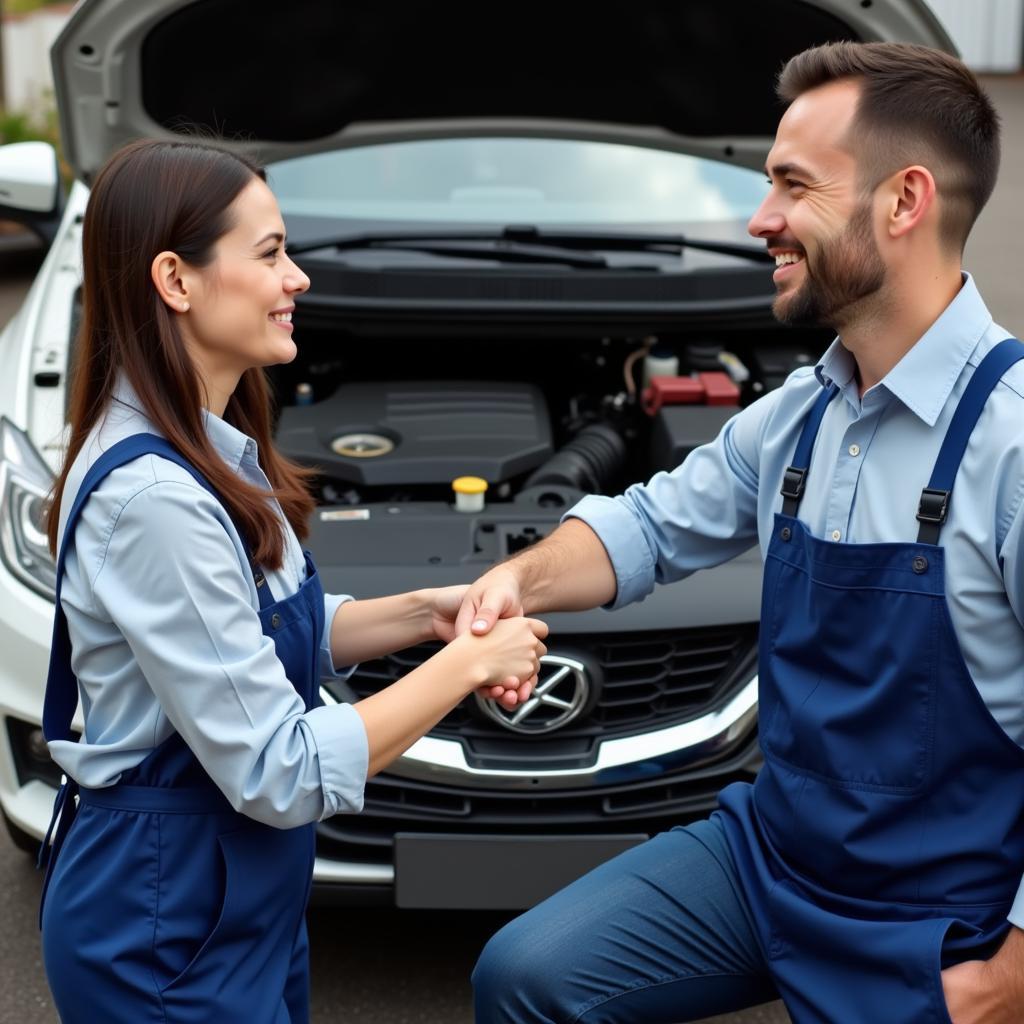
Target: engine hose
<point>589,462</point>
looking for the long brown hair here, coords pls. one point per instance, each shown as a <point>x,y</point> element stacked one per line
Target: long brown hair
<point>149,197</point>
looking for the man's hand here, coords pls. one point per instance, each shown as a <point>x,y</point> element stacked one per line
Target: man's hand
<point>988,991</point>
<point>494,596</point>
<point>569,570</point>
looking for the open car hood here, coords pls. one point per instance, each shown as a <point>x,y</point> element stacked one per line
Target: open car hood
<point>281,79</point>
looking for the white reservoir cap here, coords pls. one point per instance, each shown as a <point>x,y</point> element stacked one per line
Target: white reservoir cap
<point>469,493</point>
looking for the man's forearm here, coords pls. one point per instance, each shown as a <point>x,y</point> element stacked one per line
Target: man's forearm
<point>567,571</point>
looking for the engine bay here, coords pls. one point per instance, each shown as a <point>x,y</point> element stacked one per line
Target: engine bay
<point>391,423</point>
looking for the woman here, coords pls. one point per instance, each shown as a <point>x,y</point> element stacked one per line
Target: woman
<point>193,628</point>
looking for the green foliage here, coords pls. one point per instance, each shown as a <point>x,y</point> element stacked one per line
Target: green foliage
<point>15,128</point>
<point>25,6</point>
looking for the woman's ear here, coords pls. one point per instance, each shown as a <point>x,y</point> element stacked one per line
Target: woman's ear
<point>167,272</point>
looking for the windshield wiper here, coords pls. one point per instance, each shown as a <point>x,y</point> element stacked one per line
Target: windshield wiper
<point>529,244</point>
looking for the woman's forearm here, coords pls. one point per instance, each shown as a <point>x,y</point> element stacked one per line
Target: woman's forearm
<point>363,630</point>
<point>400,714</point>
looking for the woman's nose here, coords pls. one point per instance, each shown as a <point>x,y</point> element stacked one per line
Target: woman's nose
<point>295,280</point>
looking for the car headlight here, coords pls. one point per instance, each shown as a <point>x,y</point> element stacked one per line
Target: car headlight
<point>25,482</point>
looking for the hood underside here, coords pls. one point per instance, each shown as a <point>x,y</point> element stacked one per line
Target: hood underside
<point>282,79</point>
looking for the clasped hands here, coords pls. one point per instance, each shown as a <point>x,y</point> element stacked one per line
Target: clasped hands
<point>474,609</point>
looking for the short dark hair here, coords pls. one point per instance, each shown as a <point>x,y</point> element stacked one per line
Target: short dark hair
<point>917,105</point>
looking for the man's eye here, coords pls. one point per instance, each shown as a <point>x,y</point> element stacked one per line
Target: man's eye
<point>791,183</point>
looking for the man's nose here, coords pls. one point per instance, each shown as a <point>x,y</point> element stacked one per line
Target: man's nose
<point>767,221</point>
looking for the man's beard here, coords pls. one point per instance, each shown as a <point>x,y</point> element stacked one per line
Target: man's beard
<point>847,269</point>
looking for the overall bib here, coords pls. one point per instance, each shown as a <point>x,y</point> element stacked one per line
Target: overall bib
<point>884,838</point>
<point>161,902</point>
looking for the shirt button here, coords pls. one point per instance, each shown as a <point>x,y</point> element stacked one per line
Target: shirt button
<point>836,535</point>
<point>854,450</point>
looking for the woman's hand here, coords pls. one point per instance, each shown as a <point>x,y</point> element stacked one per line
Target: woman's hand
<point>444,607</point>
<point>443,604</point>
<point>507,656</point>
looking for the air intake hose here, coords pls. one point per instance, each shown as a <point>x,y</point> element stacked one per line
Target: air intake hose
<point>589,462</point>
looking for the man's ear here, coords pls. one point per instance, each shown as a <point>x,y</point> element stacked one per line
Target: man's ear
<point>170,280</point>
<point>910,198</point>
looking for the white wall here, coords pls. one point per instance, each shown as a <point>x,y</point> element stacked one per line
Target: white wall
<point>28,83</point>
<point>988,33</point>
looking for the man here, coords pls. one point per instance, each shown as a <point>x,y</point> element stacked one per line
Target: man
<point>871,873</point>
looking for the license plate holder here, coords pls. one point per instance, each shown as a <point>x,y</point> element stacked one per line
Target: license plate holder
<point>487,872</point>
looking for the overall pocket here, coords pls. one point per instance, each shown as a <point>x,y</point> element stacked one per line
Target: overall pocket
<point>849,682</point>
<point>241,968</point>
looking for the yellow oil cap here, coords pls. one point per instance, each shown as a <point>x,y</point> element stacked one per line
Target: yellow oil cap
<point>469,493</point>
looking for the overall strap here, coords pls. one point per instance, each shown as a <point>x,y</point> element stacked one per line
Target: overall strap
<point>934,506</point>
<point>796,475</point>
<point>61,684</point>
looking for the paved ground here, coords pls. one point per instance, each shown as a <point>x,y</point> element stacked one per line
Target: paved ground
<point>403,968</point>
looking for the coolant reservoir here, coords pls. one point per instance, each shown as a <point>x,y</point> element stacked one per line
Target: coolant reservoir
<point>469,493</point>
<point>660,362</point>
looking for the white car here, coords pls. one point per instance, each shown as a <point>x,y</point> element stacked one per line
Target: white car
<point>525,232</point>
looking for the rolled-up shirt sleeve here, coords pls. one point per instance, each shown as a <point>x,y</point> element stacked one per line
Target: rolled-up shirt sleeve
<point>328,670</point>
<point>171,581</point>
<point>700,514</point>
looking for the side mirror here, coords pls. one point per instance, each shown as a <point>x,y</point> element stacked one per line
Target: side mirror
<point>30,187</point>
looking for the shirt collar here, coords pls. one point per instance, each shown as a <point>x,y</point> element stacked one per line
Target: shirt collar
<point>924,378</point>
<point>230,443</point>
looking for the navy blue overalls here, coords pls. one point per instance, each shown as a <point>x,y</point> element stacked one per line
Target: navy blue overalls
<point>884,838</point>
<point>162,903</point>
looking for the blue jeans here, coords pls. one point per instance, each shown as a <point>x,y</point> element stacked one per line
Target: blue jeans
<point>658,934</point>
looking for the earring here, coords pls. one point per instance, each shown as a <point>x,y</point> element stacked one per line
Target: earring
<point>184,307</point>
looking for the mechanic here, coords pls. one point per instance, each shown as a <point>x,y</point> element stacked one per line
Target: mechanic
<point>194,628</point>
<point>872,872</point>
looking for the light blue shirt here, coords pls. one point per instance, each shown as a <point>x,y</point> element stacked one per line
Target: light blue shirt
<point>163,616</point>
<point>871,460</point>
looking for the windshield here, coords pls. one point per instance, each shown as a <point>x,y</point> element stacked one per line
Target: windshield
<point>515,180</point>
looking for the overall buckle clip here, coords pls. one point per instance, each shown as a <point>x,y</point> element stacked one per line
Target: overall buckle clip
<point>793,483</point>
<point>934,506</point>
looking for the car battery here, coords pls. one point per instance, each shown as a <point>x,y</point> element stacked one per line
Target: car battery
<point>678,429</point>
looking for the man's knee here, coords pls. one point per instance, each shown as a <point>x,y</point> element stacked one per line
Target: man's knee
<point>514,980</point>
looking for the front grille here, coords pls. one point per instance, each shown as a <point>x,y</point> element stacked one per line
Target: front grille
<point>646,680</point>
<point>643,805</point>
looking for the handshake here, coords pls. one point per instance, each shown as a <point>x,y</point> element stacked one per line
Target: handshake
<point>483,623</point>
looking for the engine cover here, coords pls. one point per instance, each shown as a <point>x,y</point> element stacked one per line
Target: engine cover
<point>420,432</point>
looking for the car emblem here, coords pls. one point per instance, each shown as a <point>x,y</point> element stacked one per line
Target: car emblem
<point>561,693</point>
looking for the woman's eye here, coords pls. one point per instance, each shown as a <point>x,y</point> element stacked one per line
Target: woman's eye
<point>272,252</point>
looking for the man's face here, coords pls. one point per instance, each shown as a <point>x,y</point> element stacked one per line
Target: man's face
<point>814,220</point>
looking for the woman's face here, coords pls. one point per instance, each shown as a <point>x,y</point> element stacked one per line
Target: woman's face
<point>240,305</point>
